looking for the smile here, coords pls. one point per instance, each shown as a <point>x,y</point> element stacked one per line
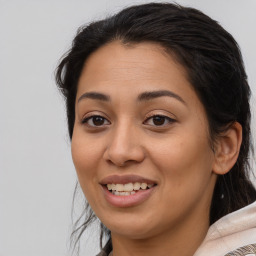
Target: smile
<point>128,188</point>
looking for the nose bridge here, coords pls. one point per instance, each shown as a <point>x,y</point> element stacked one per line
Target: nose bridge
<point>121,133</point>
<point>124,144</point>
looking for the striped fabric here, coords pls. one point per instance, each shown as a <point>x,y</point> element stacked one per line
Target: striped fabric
<point>248,250</point>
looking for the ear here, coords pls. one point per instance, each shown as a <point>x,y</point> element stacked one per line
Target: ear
<point>227,149</point>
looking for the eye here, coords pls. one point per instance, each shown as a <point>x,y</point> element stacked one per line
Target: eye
<point>95,121</point>
<point>159,120</point>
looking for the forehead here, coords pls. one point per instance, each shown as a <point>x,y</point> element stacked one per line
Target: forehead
<point>144,64</point>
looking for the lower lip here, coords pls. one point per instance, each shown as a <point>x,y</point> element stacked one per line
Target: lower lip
<point>128,201</point>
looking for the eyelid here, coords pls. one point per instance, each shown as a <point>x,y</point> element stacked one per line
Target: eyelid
<point>94,113</point>
<point>161,112</point>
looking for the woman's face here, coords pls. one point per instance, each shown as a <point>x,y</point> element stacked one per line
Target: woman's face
<point>140,143</point>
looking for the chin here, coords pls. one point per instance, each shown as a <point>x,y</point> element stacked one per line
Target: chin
<point>133,227</point>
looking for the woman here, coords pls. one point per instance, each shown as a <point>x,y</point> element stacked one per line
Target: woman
<point>159,119</point>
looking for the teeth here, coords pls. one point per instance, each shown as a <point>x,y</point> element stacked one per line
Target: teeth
<point>128,187</point>
<point>119,187</point>
<point>123,193</point>
<point>143,185</point>
<point>136,186</point>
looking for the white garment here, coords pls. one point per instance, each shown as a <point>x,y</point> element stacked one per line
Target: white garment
<point>235,230</point>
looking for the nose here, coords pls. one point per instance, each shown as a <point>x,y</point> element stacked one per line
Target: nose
<point>124,147</point>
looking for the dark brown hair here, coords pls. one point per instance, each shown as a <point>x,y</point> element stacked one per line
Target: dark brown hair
<point>214,67</point>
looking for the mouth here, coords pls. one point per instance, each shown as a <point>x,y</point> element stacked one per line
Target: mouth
<point>128,188</point>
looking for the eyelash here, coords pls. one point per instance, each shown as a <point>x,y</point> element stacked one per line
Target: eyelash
<point>167,120</point>
<point>90,118</point>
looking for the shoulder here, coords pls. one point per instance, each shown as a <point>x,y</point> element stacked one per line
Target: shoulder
<point>232,235</point>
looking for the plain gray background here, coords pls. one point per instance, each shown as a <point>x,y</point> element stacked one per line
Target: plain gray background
<point>37,176</point>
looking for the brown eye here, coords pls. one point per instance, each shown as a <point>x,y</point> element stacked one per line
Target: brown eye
<point>98,120</point>
<point>95,121</point>
<point>159,120</point>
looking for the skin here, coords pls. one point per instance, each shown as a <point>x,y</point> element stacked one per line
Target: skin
<point>176,154</point>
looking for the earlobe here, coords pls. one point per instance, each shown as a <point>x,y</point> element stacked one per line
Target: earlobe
<point>227,149</point>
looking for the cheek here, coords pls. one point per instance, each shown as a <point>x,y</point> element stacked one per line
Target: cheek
<point>86,157</point>
<point>186,176</point>
<point>185,162</point>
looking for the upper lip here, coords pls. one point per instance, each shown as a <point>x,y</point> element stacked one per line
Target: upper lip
<point>123,179</point>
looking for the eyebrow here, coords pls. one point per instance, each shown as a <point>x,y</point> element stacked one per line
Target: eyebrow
<point>94,96</point>
<point>145,96</point>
